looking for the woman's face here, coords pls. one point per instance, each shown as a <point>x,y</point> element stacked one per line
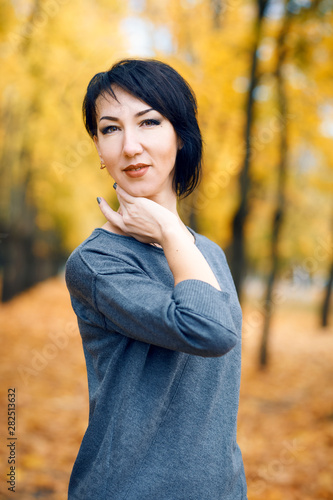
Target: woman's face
<point>137,144</point>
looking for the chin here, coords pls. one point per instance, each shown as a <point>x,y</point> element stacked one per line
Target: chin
<point>141,191</point>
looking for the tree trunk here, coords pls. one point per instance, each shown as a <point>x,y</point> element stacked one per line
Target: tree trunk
<point>327,299</point>
<point>216,6</point>
<point>237,248</point>
<point>279,212</point>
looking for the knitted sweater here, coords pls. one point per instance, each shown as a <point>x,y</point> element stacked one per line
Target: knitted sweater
<point>163,366</point>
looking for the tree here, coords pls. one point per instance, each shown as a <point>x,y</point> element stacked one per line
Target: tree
<point>23,259</point>
<point>325,308</point>
<point>237,250</point>
<point>279,212</point>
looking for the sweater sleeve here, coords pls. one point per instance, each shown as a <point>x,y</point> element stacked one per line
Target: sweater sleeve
<point>193,317</point>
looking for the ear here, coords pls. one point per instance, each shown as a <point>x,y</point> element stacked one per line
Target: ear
<point>97,146</point>
<point>180,143</point>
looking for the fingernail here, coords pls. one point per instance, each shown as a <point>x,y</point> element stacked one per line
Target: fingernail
<point>115,185</point>
<point>99,199</point>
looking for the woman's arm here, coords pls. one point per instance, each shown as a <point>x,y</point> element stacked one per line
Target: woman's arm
<point>184,258</point>
<point>149,222</point>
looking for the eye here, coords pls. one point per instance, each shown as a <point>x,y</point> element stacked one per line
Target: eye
<point>109,129</point>
<point>149,122</point>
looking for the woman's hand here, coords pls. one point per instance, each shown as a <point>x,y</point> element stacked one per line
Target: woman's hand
<point>149,222</point>
<point>140,218</point>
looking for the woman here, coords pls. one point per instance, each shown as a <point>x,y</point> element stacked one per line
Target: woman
<point>156,305</point>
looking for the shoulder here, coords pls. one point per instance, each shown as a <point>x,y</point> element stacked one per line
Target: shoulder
<point>77,259</point>
<point>209,246</point>
<point>104,252</point>
<point>99,254</point>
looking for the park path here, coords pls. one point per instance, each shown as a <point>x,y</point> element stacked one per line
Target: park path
<point>285,416</point>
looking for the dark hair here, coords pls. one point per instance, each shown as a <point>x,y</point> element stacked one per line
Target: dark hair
<point>161,87</point>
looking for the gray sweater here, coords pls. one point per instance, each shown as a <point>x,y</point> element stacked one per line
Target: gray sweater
<point>163,365</point>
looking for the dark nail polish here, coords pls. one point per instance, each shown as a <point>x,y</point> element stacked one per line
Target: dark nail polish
<point>115,185</point>
<point>99,199</point>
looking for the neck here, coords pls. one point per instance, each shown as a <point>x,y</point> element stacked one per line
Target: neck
<point>169,202</point>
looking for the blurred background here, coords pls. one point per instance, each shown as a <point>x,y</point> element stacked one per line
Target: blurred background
<point>263,75</point>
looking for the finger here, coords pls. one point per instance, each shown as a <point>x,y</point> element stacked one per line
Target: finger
<point>108,213</point>
<point>125,196</point>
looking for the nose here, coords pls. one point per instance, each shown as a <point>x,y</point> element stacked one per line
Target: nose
<point>131,145</point>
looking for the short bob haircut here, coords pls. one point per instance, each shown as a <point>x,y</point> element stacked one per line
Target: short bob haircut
<point>160,86</point>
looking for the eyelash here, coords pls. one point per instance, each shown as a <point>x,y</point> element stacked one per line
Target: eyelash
<point>107,129</point>
<point>149,122</point>
<point>152,121</point>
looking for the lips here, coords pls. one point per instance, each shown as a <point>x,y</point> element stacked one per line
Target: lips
<point>137,170</point>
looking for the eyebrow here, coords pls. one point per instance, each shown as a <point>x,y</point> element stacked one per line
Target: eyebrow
<point>115,119</point>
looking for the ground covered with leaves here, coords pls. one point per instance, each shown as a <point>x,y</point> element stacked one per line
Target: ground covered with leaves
<point>285,416</point>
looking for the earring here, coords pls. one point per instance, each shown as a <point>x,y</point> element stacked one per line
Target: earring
<point>102,165</point>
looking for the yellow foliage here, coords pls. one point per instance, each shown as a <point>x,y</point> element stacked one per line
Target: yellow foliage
<point>47,61</point>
